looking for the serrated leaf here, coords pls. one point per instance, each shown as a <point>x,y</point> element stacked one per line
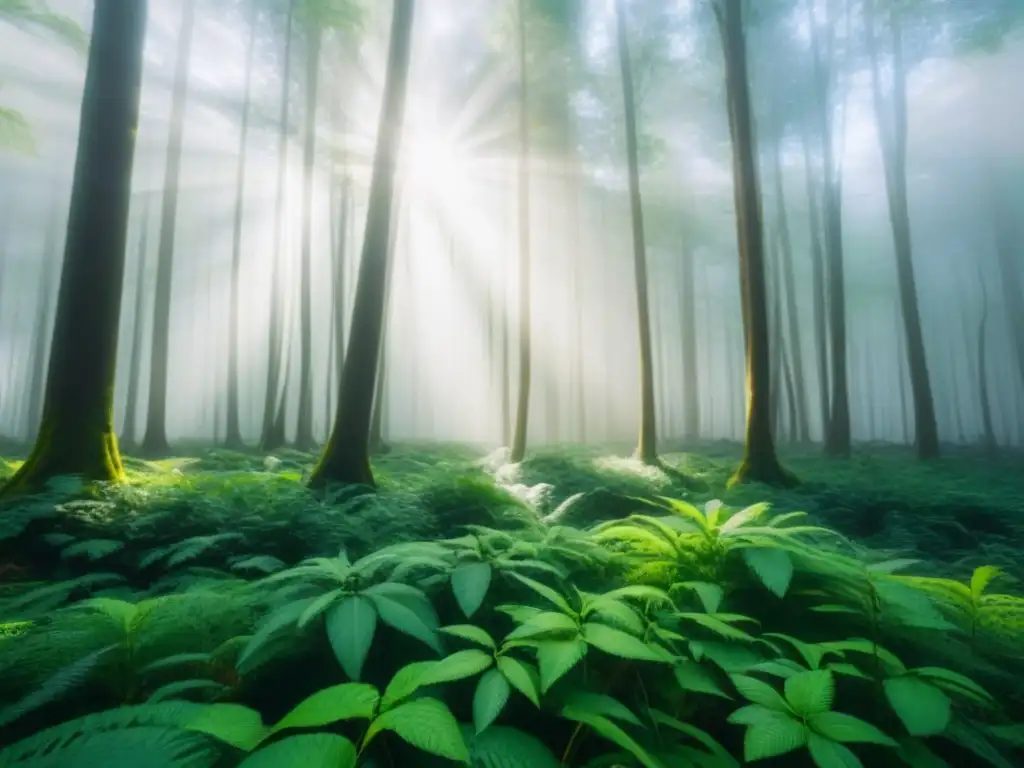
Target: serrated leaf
<point>318,606</point>
<point>351,624</point>
<point>556,657</point>
<point>954,682</point>
<point>601,704</point>
<point>811,693</point>
<point>173,690</point>
<point>408,621</point>
<point>710,594</point>
<point>691,676</point>
<point>348,701</point>
<point>625,646</point>
<point>774,567</point>
<point>616,613</point>
<point>981,578</point>
<point>544,623</point>
<point>312,750</point>
<point>458,666</point>
<point>848,729</point>
<point>504,747</point>
<point>544,591</point>
<point>521,676</point>
<point>471,633</point>
<point>607,729</point>
<point>772,737</point>
<point>760,692</point>
<point>490,697</point>
<point>470,584</point>
<point>752,714</point>
<point>426,724</point>
<point>717,626</point>
<point>406,682</point>
<point>924,709</point>
<point>830,754</point>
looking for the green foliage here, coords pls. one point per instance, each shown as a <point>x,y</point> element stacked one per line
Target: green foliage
<point>681,633</point>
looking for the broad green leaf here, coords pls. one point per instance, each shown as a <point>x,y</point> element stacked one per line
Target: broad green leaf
<point>924,709</point>
<point>426,724</point>
<point>490,697</point>
<point>774,567</point>
<point>406,682</point>
<point>692,676</point>
<point>459,665</point>
<point>723,758</point>
<point>470,583</point>
<point>470,633</point>
<point>270,627</point>
<point>838,726</point>
<point>407,620</point>
<point>954,682</point>
<point>831,754</point>
<point>616,613</point>
<point>773,737</point>
<point>545,623</point>
<point>544,591</point>
<point>752,714</point>
<point>351,624</point>
<point>521,676</point>
<point>891,566</point>
<point>811,693</point>
<point>981,578</point>
<point>605,728</point>
<point>744,516</point>
<point>601,704</point>
<point>710,594</point>
<point>318,606</point>
<point>625,646</point>
<point>639,592</point>
<point>503,747</point>
<point>717,626</point>
<point>312,750</point>
<point>760,692</point>
<point>348,701</point>
<point>556,657</point>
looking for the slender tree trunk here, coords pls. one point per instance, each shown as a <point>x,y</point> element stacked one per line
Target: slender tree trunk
<point>77,435</point>
<point>989,442</point>
<point>154,443</point>
<point>691,370</point>
<point>272,434</point>
<point>1010,273</point>
<point>304,439</point>
<point>233,437</point>
<point>647,443</point>
<point>519,433</point>
<point>131,408</point>
<point>42,330</point>
<point>346,457</point>
<point>378,446</point>
<point>760,462</point>
<point>820,314</point>
<point>891,114</point>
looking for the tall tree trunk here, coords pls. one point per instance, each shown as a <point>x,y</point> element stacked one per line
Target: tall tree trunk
<point>647,443</point>
<point>378,446</point>
<point>42,330</point>
<point>691,370</point>
<point>272,434</point>
<point>1010,273</point>
<point>821,332</point>
<point>346,457</point>
<point>304,439</point>
<point>891,114</point>
<point>521,428</point>
<point>131,408</point>
<point>77,435</point>
<point>154,443</point>
<point>989,442</point>
<point>788,283</point>
<point>233,436</point>
<point>760,462</point>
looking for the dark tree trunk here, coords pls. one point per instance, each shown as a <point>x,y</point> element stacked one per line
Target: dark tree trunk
<point>77,435</point>
<point>304,439</point>
<point>272,435</point>
<point>647,443</point>
<point>818,288</point>
<point>131,408</point>
<point>691,370</point>
<point>340,255</point>
<point>154,443</point>
<point>519,432</point>
<point>233,436</point>
<point>346,457</point>
<point>760,462</point>
<point>378,446</point>
<point>891,116</point>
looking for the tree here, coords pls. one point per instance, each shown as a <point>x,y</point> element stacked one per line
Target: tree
<point>76,436</point>
<point>523,188</point>
<point>647,443</point>
<point>346,457</point>
<point>154,443</point>
<point>760,462</point>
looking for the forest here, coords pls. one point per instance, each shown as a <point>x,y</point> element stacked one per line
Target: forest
<point>511,383</point>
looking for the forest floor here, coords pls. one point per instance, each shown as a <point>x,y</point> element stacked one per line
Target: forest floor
<point>954,514</point>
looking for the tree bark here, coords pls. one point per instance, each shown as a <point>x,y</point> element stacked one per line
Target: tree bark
<point>691,370</point>
<point>760,462</point>
<point>346,457</point>
<point>891,117</point>
<point>76,436</point>
<point>647,443</point>
<point>818,289</point>
<point>154,443</point>
<point>519,432</point>
<point>131,408</point>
